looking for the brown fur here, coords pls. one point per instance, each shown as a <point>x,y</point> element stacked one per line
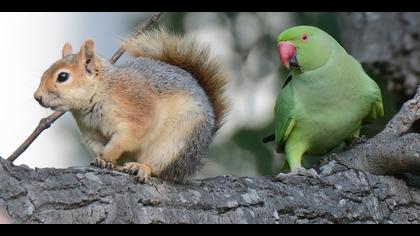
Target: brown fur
<point>189,55</point>
<point>122,119</point>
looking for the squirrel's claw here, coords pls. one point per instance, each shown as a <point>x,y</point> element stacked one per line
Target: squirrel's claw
<point>140,171</point>
<point>110,165</point>
<point>98,162</point>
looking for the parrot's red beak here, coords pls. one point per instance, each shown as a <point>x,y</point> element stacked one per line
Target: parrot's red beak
<point>286,51</point>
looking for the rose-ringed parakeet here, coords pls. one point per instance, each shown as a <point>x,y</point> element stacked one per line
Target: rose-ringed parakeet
<point>327,98</point>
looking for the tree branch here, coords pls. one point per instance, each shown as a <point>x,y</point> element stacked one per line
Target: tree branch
<point>45,123</point>
<point>90,195</point>
<point>139,30</point>
<point>405,118</point>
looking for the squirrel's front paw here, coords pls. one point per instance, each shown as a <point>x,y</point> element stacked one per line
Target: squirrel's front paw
<point>100,163</point>
<point>139,170</point>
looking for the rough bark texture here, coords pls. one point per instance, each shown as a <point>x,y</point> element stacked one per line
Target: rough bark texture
<point>87,195</point>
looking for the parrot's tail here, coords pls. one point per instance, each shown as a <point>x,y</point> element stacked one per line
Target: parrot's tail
<point>269,139</point>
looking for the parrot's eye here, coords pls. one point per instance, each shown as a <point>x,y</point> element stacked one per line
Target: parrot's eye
<point>304,37</point>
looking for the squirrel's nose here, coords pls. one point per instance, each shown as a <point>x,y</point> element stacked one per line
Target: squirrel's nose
<point>38,98</point>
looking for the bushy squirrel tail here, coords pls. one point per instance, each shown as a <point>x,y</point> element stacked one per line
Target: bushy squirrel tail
<point>186,53</point>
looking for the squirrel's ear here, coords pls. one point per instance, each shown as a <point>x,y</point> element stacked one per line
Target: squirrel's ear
<point>67,50</point>
<point>89,46</point>
<point>87,54</point>
<point>87,50</point>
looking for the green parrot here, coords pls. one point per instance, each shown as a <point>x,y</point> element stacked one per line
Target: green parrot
<point>326,98</point>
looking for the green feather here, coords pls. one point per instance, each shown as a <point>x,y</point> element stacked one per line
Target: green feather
<point>283,118</point>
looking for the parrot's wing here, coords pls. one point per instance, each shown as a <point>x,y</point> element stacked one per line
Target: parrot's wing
<point>283,117</point>
<point>272,137</point>
<point>377,110</point>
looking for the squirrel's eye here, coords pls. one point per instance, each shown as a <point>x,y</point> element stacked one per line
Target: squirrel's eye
<point>304,37</point>
<point>63,77</point>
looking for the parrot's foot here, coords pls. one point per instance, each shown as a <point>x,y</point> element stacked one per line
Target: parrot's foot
<point>300,171</point>
<point>358,140</point>
<point>304,172</point>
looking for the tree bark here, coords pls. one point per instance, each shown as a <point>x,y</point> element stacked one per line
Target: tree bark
<point>89,195</point>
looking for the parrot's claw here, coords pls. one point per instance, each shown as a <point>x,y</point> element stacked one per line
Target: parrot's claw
<point>283,176</point>
<point>304,172</point>
<point>300,171</point>
<point>358,140</point>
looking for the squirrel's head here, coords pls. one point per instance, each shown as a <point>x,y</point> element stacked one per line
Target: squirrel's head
<point>70,83</point>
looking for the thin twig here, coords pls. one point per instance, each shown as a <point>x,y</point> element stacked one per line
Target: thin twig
<point>139,30</point>
<point>45,123</point>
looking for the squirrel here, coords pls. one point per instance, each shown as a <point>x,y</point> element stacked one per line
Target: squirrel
<point>154,115</point>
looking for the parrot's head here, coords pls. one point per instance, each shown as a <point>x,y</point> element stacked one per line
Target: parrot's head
<point>304,48</point>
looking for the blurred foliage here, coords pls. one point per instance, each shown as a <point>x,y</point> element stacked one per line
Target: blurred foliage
<point>253,60</point>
